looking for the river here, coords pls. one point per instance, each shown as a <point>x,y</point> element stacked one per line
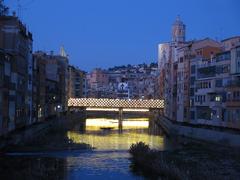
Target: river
<point>109,160</point>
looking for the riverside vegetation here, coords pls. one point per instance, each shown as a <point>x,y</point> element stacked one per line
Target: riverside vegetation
<point>192,161</point>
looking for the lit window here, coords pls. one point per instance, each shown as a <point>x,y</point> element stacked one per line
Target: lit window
<point>218,98</point>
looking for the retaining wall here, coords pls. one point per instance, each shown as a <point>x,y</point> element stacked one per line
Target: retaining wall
<point>219,137</point>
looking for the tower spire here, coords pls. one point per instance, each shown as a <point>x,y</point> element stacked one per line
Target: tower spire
<point>63,52</point>
<point>178,30</point>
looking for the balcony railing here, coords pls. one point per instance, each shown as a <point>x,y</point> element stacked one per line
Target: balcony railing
<point>206,63</point>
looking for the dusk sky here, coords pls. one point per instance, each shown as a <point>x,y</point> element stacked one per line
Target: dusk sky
<point>105,33</point>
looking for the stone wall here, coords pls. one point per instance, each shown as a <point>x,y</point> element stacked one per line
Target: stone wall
<point>31,133</point>
<point>225,138</point>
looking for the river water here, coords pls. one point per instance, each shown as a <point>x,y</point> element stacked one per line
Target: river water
<point>109,160</point>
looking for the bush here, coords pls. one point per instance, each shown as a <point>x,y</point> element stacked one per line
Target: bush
<point>154,163</point>
<point>139,148</point>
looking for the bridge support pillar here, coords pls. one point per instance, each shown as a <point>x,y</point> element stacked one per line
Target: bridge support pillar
<point>120,119</point>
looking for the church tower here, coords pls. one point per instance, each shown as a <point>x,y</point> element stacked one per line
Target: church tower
<point>178,31</point>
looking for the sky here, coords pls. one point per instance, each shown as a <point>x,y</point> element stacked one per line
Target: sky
<point>105,33</point>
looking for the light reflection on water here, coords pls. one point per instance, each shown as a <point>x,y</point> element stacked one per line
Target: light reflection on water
<point>115,141</point>
<point>110,159</point>
<point>134,130</point>
<point>133,123</point>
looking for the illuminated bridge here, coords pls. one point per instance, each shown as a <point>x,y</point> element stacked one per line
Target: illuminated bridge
<point>115,104</point>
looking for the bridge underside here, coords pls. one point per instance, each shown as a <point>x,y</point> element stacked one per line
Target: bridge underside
<point>115,103</point>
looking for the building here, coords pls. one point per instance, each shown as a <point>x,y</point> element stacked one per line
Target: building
<point>77,83</point>
<point>16,74</point>
<point>174,70</point>
<point>124,82</point>
<point>39,76</point>
<point>51,73</point>
<point>167,64</point>
<point>133,81</point>
<point>200,79</point>
<point>233,89</point>
<point>201,49</point>
<point>216,98</point>
<point>97,83</point>
<point>230,43</point>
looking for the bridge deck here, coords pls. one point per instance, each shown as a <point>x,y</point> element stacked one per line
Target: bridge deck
<point>116,103</point>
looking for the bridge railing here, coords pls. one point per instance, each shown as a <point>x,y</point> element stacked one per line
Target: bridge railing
<point>117,103</point>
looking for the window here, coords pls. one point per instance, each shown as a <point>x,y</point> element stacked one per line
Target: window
<point>1,75</point>
<point>7,69</point>
<point>192,115</point>
<point>192,80</point>
<point>193,69</point>
<point>218,98</point>
<point>12,107</point>
<point>212,98</point>
<point>236,95</point>
<point>238,53</point>
<point>226,68</point>
<point>219,83</point>
<point>207,72</point>
<point>185,112</point>
<point>223,69</point>
<point>192,92</point>
<point>0,103</point>
<point>224,56</point>
<point>181,59</point>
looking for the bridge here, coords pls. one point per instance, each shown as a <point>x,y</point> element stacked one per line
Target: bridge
<point>136,104</point>
<point>120,105</point>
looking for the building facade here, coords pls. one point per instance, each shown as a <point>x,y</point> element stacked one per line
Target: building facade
<point>77,82</point>
<point>16,74</point>
<point>97,83</point>
<point>199,80</point>
<point>51,73</point>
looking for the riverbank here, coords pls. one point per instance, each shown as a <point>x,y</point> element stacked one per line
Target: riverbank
<point>192,161</point>
<point>49,135</point>
<point>220,136</point>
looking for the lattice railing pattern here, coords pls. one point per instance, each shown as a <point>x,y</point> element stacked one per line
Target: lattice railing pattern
<point>116,103</point>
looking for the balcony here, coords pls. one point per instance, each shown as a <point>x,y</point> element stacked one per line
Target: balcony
<point>205,91</point>
<point>206,72</point>
<point>206,63</point>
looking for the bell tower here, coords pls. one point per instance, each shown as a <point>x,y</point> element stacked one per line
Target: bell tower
<point>178,30</point>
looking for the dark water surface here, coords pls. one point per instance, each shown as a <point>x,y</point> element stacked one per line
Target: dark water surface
<point>109,160</point>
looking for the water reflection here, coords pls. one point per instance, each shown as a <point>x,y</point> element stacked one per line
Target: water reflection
<point>110,160</point>
<point>100,165</point>
<point>22,168</point>
<point>134,130</point>
<point>133,123</point>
